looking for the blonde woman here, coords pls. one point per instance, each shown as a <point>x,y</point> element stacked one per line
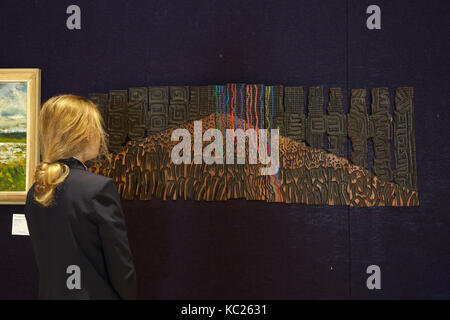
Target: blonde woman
<point>74,216</point>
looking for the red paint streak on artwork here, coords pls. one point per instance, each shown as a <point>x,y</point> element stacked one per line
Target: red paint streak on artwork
<point>256,116</point>
<point>246,108</point>
<point>232,108</point>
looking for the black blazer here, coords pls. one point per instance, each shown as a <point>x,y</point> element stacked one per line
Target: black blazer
<point>85,228</point>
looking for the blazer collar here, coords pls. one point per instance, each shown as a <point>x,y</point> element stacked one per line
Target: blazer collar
<point>73,163</point>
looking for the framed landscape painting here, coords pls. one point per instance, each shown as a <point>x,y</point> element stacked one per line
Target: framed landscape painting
<point>19,149</point>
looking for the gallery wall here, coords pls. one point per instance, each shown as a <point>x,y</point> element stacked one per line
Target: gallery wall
<point>253,249</point>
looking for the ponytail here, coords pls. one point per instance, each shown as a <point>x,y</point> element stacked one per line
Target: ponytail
<point>66,124</point>
<point>48,176</point>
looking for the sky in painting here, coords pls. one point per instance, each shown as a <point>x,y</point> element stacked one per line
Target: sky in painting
<point>13,106</point>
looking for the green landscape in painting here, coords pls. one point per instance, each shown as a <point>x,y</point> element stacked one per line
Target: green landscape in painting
<point>13,124</point>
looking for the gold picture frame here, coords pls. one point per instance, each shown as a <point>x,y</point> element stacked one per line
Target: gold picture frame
<point>15,86</point>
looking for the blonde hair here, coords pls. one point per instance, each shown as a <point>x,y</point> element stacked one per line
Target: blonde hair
<point>66,124</point>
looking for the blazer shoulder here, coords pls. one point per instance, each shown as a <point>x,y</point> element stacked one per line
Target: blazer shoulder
<point>86,178</point>
<point>79,184</point>
<point>89,182</point>
<point>87,175</point>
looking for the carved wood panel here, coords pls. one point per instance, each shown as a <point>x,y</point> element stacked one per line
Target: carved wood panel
<point>307,173</point>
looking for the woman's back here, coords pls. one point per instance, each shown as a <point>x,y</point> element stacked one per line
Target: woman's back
<point>82,235</point>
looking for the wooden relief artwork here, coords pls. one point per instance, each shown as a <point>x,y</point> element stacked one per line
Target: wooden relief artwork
<point>102,101</point>
<point>178,107</point>
<point>117,121</point>
<point>277,109</point>
<point>294,112</point>
<point>316,120</point>
<point>137,113</point>
<point>381,133</point>
<point>314,141</point>
<point>358,122</point>
<point>336,123</point>
<point>158,109</point>
<point>405,145</point>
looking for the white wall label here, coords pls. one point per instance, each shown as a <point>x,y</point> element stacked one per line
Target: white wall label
<point>19,225</point>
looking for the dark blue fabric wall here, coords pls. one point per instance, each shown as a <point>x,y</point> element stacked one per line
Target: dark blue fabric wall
<point>246,249</point>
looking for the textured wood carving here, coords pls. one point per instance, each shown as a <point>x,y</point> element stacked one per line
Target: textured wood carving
<point>259,90</point>
<point>316,125</point>
<point>198,102</point>
<point>253,113</point>
<point>158,109</point>
<point>178,108</point>
<point>240,103</point>
<point>143,170</point>
<point>381,133</point>
<point>137,112</point>
<point>357,121</point>
<point>117,122</point>
<point>295,116</point>
<point>336,123</point>
<point>313,176</point>
<point>102,101</point>
<point>278,109</point>
<point>405,146</point>
<point>307,174</point>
